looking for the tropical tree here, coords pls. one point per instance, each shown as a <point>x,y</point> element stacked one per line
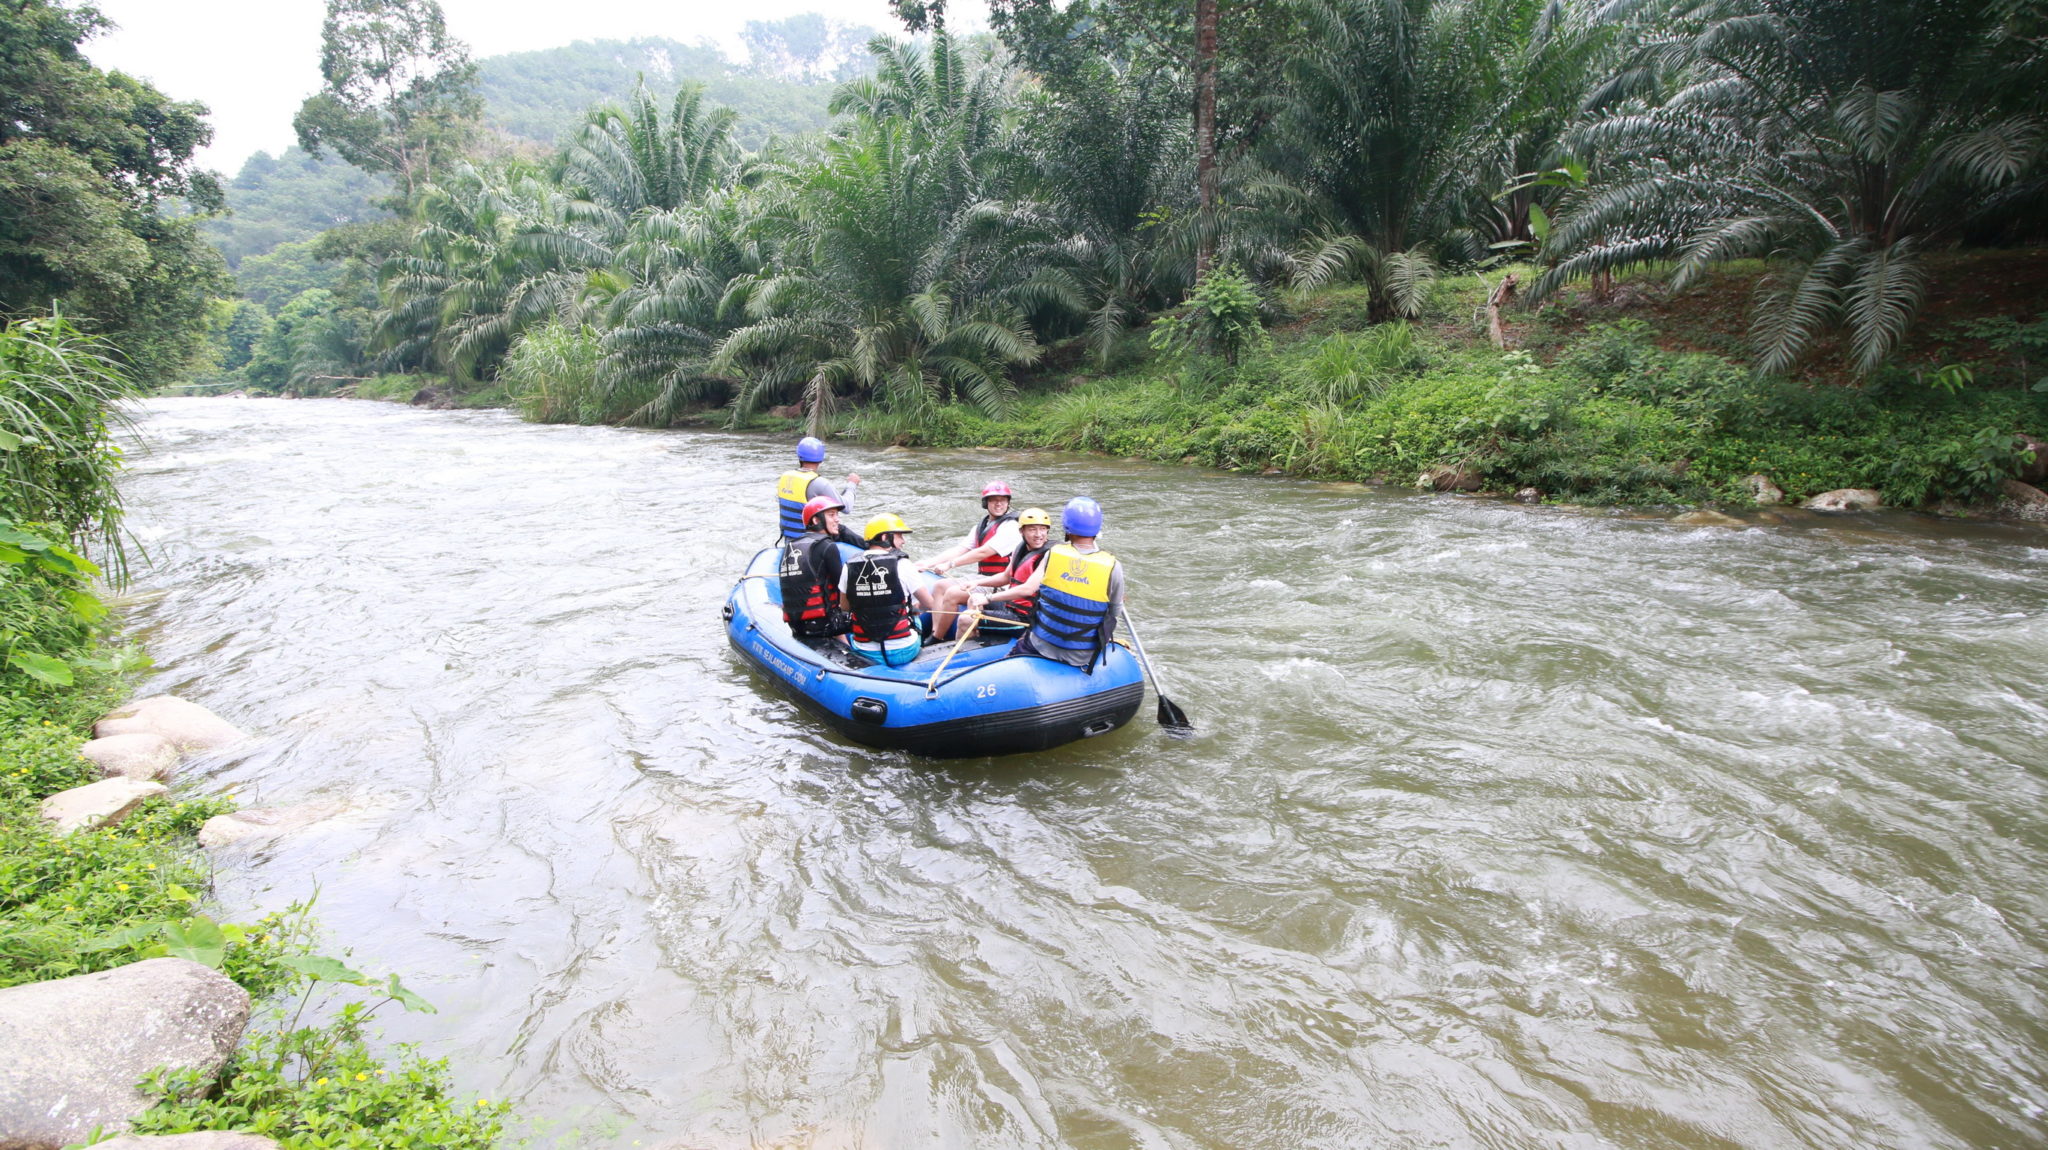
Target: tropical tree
<point>1843,139</point>
<point>879,286</point>
<point>399,93</point>
<point>632,159</point>
<point>494,254</point>
<point>1402,118</point>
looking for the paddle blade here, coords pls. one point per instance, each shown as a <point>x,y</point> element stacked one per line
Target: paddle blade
<point>1173,718</point>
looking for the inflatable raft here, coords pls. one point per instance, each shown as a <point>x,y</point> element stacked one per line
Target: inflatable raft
<point>984,703</point>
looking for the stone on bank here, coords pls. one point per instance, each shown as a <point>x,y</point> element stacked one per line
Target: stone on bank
<point>73,1049</point>
<point>187,726</point>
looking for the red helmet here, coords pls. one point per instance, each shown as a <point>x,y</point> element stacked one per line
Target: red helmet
<point>820,504</point>
<point>995,488</point>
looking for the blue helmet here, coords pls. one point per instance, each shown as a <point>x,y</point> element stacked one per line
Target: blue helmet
<point>810,449</point>
<point>1083,516</point>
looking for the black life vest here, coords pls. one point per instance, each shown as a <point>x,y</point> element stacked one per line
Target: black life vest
<point>991,564</point>
<point>875,596</point>
<point>808,600</point>
<point>1022,564</point>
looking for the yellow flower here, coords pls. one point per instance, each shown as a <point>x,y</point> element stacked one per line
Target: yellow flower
<point>322,1082</point>
<point>361,1077</point>
<point>120,886</point>
<point>152,866</point>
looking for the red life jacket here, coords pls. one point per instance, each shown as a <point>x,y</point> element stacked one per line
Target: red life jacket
<point>1022,564</point>
<point>992,564</point>
<point>875,596</point>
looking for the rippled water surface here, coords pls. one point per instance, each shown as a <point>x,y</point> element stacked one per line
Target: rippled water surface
<point>1503,827</point>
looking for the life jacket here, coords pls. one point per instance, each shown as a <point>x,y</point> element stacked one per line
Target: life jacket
<point>791,492</point>
<point>984,531</point>
<point>1073,610</point>
<point>1022,564</point>
<point>808,601</point>
<point>876,598</point>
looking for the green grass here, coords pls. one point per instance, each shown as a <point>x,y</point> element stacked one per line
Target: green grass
<point>1602,403</point>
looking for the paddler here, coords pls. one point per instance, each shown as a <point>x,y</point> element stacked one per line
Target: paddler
<point>1079,588</point>
<point>799,486</point>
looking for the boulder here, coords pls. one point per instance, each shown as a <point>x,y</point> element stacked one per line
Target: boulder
<point>434,398</point>
<point>142,755</point>
<point>73,1049</point>
<point>2022,501</point>
<point>1762,491</point>
<point>1845,499</point>
<point>1708,519</point>
<point>1450,479</point>
<point>2036,471</point>
<point>189,726</point>
<point>1528,495</point>
<point>97,804</point>
<point>197,1140</point>
<point>263,822</point>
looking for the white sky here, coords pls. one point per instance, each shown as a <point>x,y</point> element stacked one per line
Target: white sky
<point>253,61</point>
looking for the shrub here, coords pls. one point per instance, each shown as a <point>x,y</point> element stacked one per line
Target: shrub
<point>1353,367</point>
<point>59,392</point>
<point>1220,317</point>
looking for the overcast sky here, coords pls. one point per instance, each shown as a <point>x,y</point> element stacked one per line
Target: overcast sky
<point>253,61</point>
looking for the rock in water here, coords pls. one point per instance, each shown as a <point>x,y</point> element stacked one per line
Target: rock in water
<point>1845,499</point>
<point>1450,479</point>
<point>1763,491</point>
<point>97,804</point>
<point>72,1049</point>
<point>188,726</point>
<point>1708,519</point>
<point>142,755</point>
<point>264,822</point>
<point>2022,501</point>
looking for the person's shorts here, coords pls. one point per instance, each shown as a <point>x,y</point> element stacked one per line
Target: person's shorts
<point>893,653</point>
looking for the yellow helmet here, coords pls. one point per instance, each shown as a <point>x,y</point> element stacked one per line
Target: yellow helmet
<point>884,523</point>
<point>1035,517</point>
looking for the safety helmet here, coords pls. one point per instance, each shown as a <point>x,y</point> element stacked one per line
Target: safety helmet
<point>821,503</point>
<point>883,524</point>
<point>995,488</point>
<point>1082,516</point>
<point>1034,517</point>
<point>810,449</point>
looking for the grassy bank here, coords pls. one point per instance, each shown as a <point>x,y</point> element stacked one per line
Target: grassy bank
<point>101,898</point>
<point>1644,398</point>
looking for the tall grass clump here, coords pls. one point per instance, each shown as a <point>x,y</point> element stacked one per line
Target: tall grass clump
<point>60,392</point>
<point>1354,367</point>
<point>552,375</point>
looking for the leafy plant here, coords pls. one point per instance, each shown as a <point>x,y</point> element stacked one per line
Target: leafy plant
<point>60,392</point>
<point>321,1086</point>
<point>1354,367</point>
<point>1220,317</point>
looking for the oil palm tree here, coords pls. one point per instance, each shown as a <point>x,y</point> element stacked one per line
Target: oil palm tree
<point>1841,138</point>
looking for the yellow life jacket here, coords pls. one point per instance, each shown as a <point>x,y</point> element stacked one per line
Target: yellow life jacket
<point>792,491</point>
<point>1073,599</point>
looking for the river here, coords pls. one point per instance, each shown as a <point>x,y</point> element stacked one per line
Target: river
<point>1502,826</point>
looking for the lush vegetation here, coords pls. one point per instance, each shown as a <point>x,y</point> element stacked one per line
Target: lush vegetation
<point>984,216</point>
<point>107,896</point>
<point>89,163</point>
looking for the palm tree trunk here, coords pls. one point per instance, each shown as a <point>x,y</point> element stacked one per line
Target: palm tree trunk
<point>1205,128</point>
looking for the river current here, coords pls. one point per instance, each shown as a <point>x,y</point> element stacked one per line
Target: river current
<point>1502,827</point>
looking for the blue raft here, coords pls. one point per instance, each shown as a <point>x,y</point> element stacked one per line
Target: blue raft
<point>984,704</point>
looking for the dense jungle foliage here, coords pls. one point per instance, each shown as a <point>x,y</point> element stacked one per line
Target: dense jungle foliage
<point>986,219</point>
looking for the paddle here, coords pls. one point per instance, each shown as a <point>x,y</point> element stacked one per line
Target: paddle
<point>1171,717</point>
<point>973,621</point>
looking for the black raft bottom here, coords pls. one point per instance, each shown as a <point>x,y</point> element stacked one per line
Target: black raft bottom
<point>976,736</point>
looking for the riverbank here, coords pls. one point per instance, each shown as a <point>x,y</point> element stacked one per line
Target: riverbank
<point>1643,397</point>
<point>103,897</point>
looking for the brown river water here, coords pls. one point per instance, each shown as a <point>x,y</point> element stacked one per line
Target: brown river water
<point>1502,827</point>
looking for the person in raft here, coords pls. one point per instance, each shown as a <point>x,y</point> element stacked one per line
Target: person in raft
<point>880,588</point>
<point>988,544</point>
<point>1080,589</point>
<point>809,574</point>
<point>1036,528</point>
<point>799,486</point>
